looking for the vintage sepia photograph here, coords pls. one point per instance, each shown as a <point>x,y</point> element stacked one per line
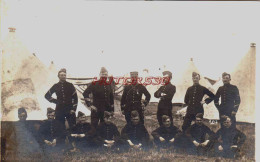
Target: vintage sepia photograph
<point>128,81</point>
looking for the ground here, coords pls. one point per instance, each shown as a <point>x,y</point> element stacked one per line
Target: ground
<point>247,151</point>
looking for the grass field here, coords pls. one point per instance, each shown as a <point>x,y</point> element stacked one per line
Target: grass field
<point>247,151</point>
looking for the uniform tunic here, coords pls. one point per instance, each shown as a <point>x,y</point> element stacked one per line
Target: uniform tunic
<point>131,100</point>
<point>67,100</point>
<point>198,133</point>
<point>136,133</point>
<point>50,130</point>
<point>165,103</point>
<point>108,132</point>
<point>88,131</point>
<point>230,101</point>
<point>228,137</point>
<point>193,97</point>
<point>167,134</point>
<point>103,100</point>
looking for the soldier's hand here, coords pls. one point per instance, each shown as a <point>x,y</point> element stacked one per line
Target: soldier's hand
<point>220,148</point>
<point>72,111</point>
<point>233,113</point>
<point>202,102</point>
<point>196,143</point>
<point>47,142</point>
<point>163,94</point>
<point>81,135</point>
<point>172,140</point>
<point>93,108</point>
<point>161,139</point>
<point>205,143</point>
<point>233,146</point>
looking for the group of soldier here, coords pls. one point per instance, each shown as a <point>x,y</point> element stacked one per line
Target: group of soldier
<point>102,133</point>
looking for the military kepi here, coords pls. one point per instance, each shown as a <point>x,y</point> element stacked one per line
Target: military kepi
<point>22,110</point>
<point>80,114</point>
<point>167,73</point>
<point>50,110</point>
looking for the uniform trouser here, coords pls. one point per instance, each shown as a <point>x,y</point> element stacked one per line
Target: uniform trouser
<point>62,112</point>
<point>187,121</point>
<point>96,116</point>
<point>160,113</point>
<point>128,116</point>
<point>227,152</point>
<point>229,114</point>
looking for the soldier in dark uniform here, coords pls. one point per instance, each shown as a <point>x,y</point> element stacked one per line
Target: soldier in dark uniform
<point>194,100</point>
<point>197,135</point>
<point>103,98</point>
<point>67,99</point>
<point>107,132</point>
<point>230,139</point>
<point>166,135</point>
<point>230,99</point>
<point>131,98</point>
<point>82,135</point>
<point>26,142</point>
<point>52,133</point>
<point>165,93</point>
<point>134,134</point>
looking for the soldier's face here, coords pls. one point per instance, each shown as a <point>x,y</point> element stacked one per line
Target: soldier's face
<point>22,116</point>
<point>166,78</point>
<point>51,116</point>
<point>82,119</point>
<point>135,120</point>
<point>167,123</point>
<point>226,79</point>
<point>62,76</point>
<point>108,120</point>
<point>103,75</point>
<point>227,123</point>
<point>196,79</point>
<point>198,121</point>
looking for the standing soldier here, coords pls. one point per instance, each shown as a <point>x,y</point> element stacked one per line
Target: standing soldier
<point>132,96</point>
<point>230,99</point>
<point>103,98</point>
<point>193,99</point>
<point>67,99</point>
<point>165,93</point>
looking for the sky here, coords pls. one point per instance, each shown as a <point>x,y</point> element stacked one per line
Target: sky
<point>125,36</point>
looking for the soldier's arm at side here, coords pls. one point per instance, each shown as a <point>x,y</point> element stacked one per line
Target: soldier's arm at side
<point>186,98</point>
<point>210,94</point>
<point>74,98</point>
<point>86,94</point>
<point>48,95</point>
<point>147,96</point>
<point>237,99</point>
<point>112,99</point>
<point>156,133</point>
<point>216,99</point>
<point>242,138</point>
<point>123,99</point>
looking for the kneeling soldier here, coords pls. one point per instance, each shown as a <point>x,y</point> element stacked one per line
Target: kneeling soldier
<point>82,135</point>
<point>165,135</point>
<point>107,132</point>
<point>197,134</point>
<point>52,133</point>
<point>230,139</point>
<point>134,133</point>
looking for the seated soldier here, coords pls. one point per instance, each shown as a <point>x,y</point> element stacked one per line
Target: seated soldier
<point>107,132</point>
<point>165,136</point>
<point>82,135</point>
<point>230,139</point>
<point>197,135</point>
<point>52,133</point>
<point>26,143</point>
<point>134,134</point>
